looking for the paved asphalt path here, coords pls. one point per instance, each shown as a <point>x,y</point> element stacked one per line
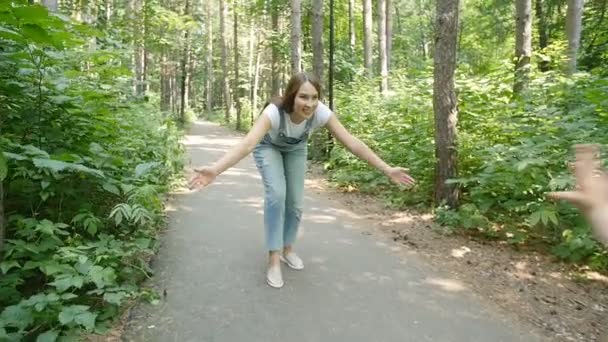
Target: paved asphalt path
<point>354,287</point>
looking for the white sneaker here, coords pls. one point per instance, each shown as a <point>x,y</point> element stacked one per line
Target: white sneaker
<point>274,277</point>
<point>293,261</point>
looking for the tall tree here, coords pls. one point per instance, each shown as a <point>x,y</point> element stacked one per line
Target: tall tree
<point>209,60</point>
<point>383,60</point>
<point>367,37</point>
<point>274,69</point>
<point>389,33</point>
<point>445,102</point>
<point>185,68</point>
<point>224,48</point>
<point>543,40</point>
<point>523,44</point>
<point>573,30</point>
<point>317,38</point>
<point>237,86</point>
<point>296,36</point>
<point>351,25</point>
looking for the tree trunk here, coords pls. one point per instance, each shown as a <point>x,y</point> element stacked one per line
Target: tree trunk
<point>389,33</point>
<point>543,40</point>
<point>225,86</point>
<point>256,82</point>
<point>296,36</point>
<point>209,60</point>
<point>236,91</point>
<point>250,63</point>
<point>275,50</point>
<point>445,102</point>
<point>573,30</point>
<point>383,61</point>
<point>351,25</point>
<point>523,45</point>
<point>367,37</point>
<point>185,63</point>
<point>51,5</point>
<point>165,82</point>
<point>317,38</point>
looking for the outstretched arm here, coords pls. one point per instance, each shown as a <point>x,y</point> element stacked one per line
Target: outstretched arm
<point>206,175</point>
<point>361,150</point>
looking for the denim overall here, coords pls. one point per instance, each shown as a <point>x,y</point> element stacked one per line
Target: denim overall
<point>282,165</point>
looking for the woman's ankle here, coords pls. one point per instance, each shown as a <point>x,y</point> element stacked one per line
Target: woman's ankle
<point>274,258</point>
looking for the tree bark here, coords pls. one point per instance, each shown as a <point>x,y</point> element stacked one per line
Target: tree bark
<point>51,5</point>
<point>523,45</point>
<point>275,73</point>
<point>236,91</point>
<point>185,63</point>
<point>445,102</point>
<point>351,25</point>
<point>367,37</point>
<point>225,85</point>
<point>389,33</point>
<point>209,60</point>
<point>574,16</point>
<point>383,60</point>
<point>296,36</point>
<point>317,38</point>
<point>543,40</point>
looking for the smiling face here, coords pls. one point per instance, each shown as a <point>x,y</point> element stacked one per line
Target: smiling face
<point>305,102</point>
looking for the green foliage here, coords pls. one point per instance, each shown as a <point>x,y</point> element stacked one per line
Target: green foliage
<point>510,152</point>
<point>85,166</point>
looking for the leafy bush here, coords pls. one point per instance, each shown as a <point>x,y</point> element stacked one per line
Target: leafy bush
<point>84,167</point>
<point>510,151</point>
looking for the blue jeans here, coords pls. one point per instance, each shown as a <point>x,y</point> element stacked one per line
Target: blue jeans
<point>283,173</point>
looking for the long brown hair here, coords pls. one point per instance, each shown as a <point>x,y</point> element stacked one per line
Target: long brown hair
<point>286,101</point>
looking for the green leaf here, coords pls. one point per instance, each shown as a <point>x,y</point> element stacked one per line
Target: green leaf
<point>144,168</point>
<point>48,336</point>
<point>535,218</point>
<point>114,298</point>
<point>87,320</point>
<point>111,188</point>
<point>10,34</point>
<point>35,33</point>
<point>16,316</point>
<point>64,282</point>
<point>3,167</point>
<point>31,14</point>
<point>5,266</point>
<point>69,313</point>
<point>102,277</point>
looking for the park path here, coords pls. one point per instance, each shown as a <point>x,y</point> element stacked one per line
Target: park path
<point>211,269</point>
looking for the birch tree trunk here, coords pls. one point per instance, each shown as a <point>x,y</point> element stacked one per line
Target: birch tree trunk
<point>523,44</point>
<point>367,37</point>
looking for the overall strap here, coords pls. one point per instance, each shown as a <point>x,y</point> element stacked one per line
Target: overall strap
<point>282,130</point>
<point>308,127</point>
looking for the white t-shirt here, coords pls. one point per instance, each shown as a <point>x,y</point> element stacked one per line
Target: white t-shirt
<point>322,115</point>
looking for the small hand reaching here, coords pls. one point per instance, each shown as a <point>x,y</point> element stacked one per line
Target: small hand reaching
<point>591,193</point>
<point>398,176</point>
<point>203,177</point>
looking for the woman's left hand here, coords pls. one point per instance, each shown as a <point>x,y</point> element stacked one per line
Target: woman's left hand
<point>398,176</point>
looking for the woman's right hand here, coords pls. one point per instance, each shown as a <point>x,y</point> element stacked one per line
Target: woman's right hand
<point>203,177</point>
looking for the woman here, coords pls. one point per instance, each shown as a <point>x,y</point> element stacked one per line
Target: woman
<point>278,140</point>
